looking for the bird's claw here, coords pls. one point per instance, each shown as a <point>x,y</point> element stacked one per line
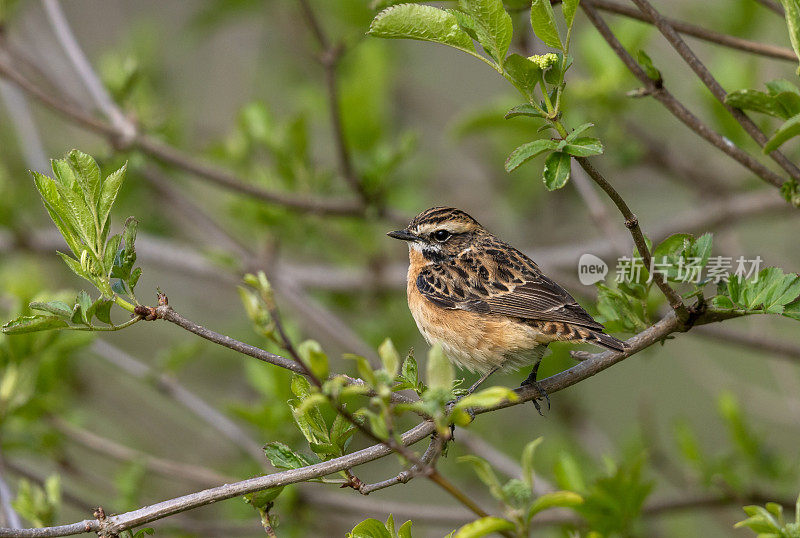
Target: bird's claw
<point>542,394</point>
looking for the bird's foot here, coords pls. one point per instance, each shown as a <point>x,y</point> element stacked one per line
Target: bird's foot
<point>542,394</point>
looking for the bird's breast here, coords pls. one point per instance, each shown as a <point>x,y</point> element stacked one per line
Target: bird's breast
<point>478,342</point>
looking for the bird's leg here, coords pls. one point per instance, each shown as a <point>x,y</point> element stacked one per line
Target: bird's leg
<point>531,381</point>
<point>480,381</point>
<point>474,386</point>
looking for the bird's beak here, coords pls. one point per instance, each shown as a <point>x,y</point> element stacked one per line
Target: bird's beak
<point>403,235</point>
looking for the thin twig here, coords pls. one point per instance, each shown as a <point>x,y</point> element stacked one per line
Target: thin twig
<point>754,47</point>
<point>330,55</point>
<point>179,159</point>
<point>772,5</point>
<point>168,314</point>
<point>28,139</point>
<point>711,83</point>
<point>63,33</point>
<point>597,210</point>
<point>418,465</point>
<point>593,365</point>
<point>174,469</point>
<point>757,342</point>
<point>632,223</point>
<point>660,93</point>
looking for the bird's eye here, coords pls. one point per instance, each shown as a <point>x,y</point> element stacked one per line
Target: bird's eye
<point>441,235</point>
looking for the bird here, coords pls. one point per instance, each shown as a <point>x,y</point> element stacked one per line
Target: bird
<point>488,305</point>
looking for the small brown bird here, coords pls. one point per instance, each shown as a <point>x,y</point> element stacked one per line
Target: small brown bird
<point>486,303</point>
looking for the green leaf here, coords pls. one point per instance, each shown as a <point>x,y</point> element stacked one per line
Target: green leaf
<point>578,130</point>
<point>313,357</point>
<point>485,474</point>
<point>584,147</point>
<point>647,65</point>
<point>112,245</point>
<point>88,175</point>
<point>58,211</point>
<point>525,75</point>
<point>76,208</point>
<point>554,75</point>
<point>30,324</point>
<point>59,308</point>
<point>364,369</point>
<point>423,23</point>
<point>390,358</point>
<point>792,310</point>
<point>792,11</point>
<point>543,22</point>
<point>524,110</point>
<point>556,499</point>
<point>260,500</point>
<point>568,473</point>
<point>568,8</point>
<point>370,528</point>
<point>757,102</point>
<point>75,266</point>
<point>487,398</point>
<point>789,129</point>
<point>528,151</point>
<point>109,192</point>
<point>410,372</point>
<point>102,309</point>
<point>85,302</point>
<point>283,457</point>
<point>527,461</point>
<point>485,525</point>
<point>492,26</point>
<point>720,301</point>
<point>405,530</point>
<point>440,370</point>
<point>556,170</point>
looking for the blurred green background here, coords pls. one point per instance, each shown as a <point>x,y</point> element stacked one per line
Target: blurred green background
<point>238,83</point>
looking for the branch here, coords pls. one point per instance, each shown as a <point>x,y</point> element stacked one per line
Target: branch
<point>676,108</point>
<point>98,92</point>
<point>175,157</point>
<point>746,45</point>
<point>173,469</point>
<point>632,223</point>
<point>711,83</point>
<point>597,210</point>
<point>758,342</point>
<point>560,381</point>
<point>329,58</point>
<point>772,5</point>
<point>170,387</point>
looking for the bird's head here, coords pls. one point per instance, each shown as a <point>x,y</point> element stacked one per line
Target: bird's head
<point>440,233</point>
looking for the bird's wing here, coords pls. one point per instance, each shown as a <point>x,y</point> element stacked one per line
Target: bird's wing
<point>522,292</point>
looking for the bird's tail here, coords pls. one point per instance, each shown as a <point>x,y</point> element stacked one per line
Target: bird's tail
<point>605,340</point>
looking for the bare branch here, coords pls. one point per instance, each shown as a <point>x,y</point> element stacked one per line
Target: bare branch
<point>169,386</point>
<point>772,5</point>
<point>757,342</point>
<point>676,108</point>
<point>174,157</point>
<point>182,471</point>
<point>711,83</point>
<point>594,364</point>
<point>632,223</point>
<point>746,45</point>
<point>597,210</point>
